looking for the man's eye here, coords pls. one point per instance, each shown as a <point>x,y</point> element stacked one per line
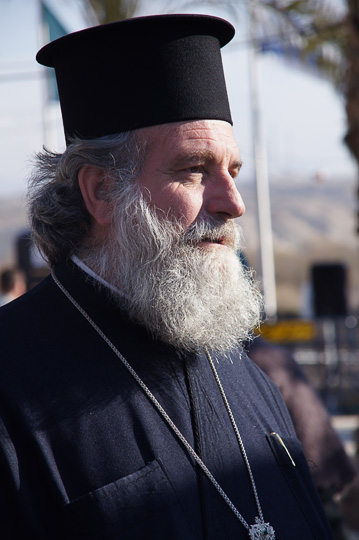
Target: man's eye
<point>196,169</point>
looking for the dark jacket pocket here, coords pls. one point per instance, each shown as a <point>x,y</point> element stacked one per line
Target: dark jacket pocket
<point>291,461</point>
<point>141,505</point>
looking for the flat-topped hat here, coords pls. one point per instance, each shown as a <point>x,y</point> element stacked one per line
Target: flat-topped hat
<point>140,72</point>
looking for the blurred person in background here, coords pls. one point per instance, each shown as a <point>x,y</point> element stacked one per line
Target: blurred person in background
<point>12,285</point>
<point>334,473</point>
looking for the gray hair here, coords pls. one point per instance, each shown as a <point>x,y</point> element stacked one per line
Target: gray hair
<point>58,217</point>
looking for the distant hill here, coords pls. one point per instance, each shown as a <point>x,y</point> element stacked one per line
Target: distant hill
<point>305,213</point>
<point>312,222</point>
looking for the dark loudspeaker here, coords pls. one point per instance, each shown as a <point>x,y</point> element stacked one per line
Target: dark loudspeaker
<point>329,283</point>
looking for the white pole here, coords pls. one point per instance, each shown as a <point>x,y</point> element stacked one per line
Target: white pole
<point>262,181</point>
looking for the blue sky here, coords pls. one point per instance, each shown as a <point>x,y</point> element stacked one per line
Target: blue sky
<point>303,117</point>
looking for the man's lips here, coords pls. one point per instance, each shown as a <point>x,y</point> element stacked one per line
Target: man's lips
<point>214,241</point>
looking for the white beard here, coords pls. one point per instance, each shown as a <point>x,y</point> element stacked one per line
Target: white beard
<point>186,295</point>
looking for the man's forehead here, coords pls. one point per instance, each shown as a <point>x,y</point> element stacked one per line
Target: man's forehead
<point>189,134</point>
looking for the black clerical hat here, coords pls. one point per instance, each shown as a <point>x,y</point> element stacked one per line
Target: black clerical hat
<point>140,72</point>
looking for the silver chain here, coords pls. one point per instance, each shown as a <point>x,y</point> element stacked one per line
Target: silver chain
<point>173,426</point>
<point>238,435</point>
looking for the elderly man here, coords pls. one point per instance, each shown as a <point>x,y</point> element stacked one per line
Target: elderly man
<point>128,409</point>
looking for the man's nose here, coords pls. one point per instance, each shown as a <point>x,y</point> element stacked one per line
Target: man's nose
<point>223,198</point>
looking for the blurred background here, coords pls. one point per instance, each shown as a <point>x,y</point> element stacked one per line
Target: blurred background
<point>292,73</point>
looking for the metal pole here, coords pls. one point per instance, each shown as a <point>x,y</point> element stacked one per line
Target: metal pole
<point>262,182</point>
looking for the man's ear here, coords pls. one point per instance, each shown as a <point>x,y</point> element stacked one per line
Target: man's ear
<point>92,185</point>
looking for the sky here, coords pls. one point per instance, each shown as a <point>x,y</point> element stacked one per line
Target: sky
<point>303,117</point>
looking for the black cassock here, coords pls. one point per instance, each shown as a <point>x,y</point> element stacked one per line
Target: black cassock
<point>85,455</point>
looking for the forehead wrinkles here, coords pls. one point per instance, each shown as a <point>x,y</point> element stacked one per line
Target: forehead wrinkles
<point>211,132</point>
<point>212,137</point>
<point>189,137</point>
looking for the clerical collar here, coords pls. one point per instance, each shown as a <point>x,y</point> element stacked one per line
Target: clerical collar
<point>95,276</point>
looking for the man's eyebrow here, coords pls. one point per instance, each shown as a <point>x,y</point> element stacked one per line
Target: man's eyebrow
<point>193,155</point>
<point>202,155</point>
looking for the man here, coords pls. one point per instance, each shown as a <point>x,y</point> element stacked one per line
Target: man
<point>128,408</point>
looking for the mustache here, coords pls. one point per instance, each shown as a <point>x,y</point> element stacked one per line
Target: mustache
<point>212,230</point>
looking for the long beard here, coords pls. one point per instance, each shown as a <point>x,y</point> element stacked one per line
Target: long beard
<point>187,295</point>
